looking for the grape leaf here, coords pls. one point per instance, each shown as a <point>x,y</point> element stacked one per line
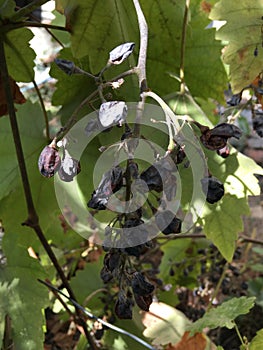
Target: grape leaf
<point>19,55</point>
<point>165,20</point>
<point>87,281</point>
<point>22,295</point>
<point>31,127</point>
<point>222,223</point>
<point>7,8</point>
<point>164,324</point>
<point>257,341</point>
<point>91,38</point>
<point>242,31</point>
<point>223,315</point>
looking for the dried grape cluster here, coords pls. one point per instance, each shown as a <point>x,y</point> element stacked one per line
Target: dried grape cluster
<point>128,237</point>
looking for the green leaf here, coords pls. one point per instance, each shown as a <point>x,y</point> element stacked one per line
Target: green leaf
<point>164,324</point>
<point>31,126</point>
<point>90,37</point>
<point>257,341</point>
<point>87,280</point>
<point>165,20</point>
<point>184,104</point>
<point>7,8</point>
<point>243,34</point>
<point>21,295</point>
<point>223,315</point>
<point>223,221</point>
<point>70,90</point>
<point>19,55</point>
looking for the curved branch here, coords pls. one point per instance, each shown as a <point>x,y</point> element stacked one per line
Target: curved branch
<point>141,66</point>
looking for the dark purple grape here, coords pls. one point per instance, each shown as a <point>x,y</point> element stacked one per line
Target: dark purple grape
<point>123,306</point>
<point>167,222</point>
<point>213,188</point>
<point>258,124</point>
<point>143,301</point>
<point>140,286</point>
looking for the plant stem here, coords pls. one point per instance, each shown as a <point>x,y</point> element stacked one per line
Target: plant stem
<point>32,219</point>
<point>73,118</point>
<point>169,115</point>
<point>43,109</point>
<point>11,26</point>
<point>217,286</point>
<point>141,66</point>
<point>239,335</point>
<point>183,43</point>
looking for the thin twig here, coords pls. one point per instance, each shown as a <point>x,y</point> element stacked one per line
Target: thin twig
<point>183,43</point>
<point>93,317</point>
<point>251,240</point>
<point>182,236</point>
<point>10,26</point>
<point>43,109</point>
<point>218,286</point>
<point>73,118</point>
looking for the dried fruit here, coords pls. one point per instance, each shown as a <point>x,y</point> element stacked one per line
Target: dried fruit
<point>216,138</point>
<point>235,99</point>
<point>143,301</point>
<point>213,188</point>
<point>110,183</point>
<point>112,113</point>
<point>223,152</point>
<point>49,160</point>
<point>168,222</point>
<point>157,174</point>
<point>123,306</point>
<point>67,66</point>
<point>69,168</point>
<point>140,286</point>
<point>136,251</point>
<point>120,53</point>
<point>258,124</point>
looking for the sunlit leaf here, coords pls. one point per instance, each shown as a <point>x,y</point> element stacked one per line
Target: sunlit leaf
<point>223,315</point>
<point>242,32</point>
<point>257,341</point>
<point>22,296</point>
<point>222,224</point>
<point>164,324</point>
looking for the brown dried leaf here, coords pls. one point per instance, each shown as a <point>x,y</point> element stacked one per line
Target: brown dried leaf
<point>196,342</point>
<point>18,97</point>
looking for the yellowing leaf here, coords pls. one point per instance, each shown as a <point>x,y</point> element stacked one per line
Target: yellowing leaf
<point>164,324</point>
<point>243,33</point>
<point>196,342</point>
